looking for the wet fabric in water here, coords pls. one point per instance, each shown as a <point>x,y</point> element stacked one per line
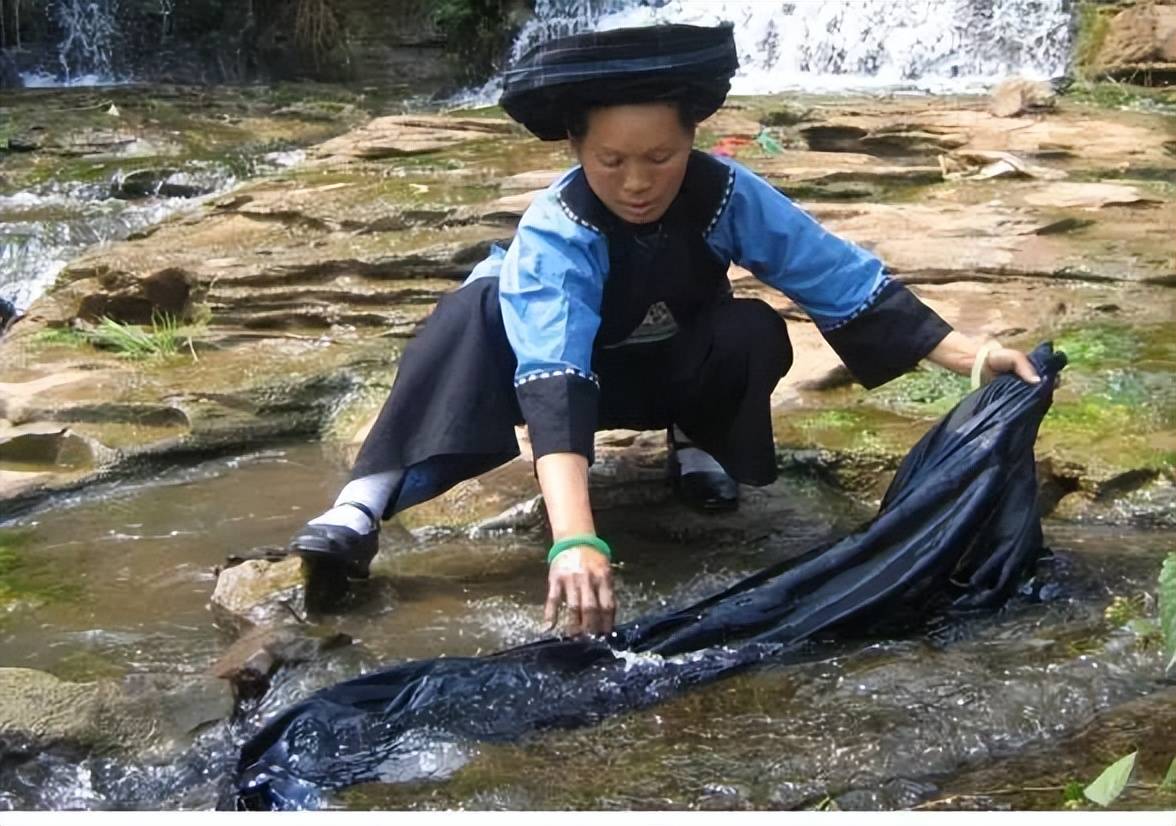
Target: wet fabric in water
<point>958,529</point>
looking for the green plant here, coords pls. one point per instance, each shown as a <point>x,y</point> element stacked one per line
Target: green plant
<point>1167,606</point>
<point>1169,784</point>
<point>1107,787</point>
<point>164,339</point>
<point>1098,345</point>
<point>60,336</point>
<point>1093,26</point>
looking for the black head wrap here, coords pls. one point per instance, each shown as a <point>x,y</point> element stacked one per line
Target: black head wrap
<point>691,65</point>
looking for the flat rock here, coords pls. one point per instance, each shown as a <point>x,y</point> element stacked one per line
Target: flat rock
<point>979,164</point>
<point>409,135</point>
<point>813,167</point>
<point>39,712</point>
<point>1089,195</point>
<point>527,181</point>
<point>506,210</point>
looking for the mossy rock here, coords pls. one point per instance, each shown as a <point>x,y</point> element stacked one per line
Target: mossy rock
<point>39,712</point>
<point>927,392</point>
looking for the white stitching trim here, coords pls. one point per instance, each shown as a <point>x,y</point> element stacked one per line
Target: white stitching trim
<point>865,306</point>
<point>722,203</point>
<point>552,374</point>
<point>568,212</point>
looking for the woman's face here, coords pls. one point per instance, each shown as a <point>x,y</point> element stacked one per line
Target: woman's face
<point>634,157</point>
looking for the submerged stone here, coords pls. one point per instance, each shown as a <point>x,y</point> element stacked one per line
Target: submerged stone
<point>39,712</point>
<point>259,592</point>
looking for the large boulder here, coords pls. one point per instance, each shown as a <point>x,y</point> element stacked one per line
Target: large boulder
<point>1019,95</point>
<point>1140,43</point>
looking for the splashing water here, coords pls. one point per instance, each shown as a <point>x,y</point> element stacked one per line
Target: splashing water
<point>89,37</point>
<point>940,46</point>
<point>43,228</point>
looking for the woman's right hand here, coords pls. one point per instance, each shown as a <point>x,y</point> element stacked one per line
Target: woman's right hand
<point>581,578</point>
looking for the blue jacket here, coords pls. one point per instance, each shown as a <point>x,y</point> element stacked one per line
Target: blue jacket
<point>570,255</point>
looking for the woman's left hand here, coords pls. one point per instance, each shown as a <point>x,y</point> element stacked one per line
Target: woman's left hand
<point>1007,360</point>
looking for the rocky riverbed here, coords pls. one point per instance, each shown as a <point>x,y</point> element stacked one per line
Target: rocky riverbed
<point>293,294</point>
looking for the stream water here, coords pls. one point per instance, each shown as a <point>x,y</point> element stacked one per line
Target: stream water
<point>873,724</point>
<point>44,227</point>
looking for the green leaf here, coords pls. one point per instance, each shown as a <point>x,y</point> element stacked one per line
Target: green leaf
<point>1169,784</point>
<point>1072,792</point>
<point>1167,594</point>
<point>1110,784</point>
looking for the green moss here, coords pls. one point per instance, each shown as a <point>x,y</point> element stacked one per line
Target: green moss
<point>1110,94</point>
<point>1098,346</point>
<point>831,419</point>
<point>59,337</point>
<point>1093,26</point>
<point>1090,415</point>
<point>26,580</point>
<point>924,392</point>
<point>861,430</point>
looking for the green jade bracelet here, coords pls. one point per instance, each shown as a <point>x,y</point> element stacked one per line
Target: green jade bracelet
<point>575,542</point>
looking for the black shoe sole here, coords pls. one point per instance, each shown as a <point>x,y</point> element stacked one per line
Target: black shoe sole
<point>725,504</point>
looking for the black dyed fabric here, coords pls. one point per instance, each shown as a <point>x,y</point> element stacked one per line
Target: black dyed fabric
<point>689,64</point>
<point>958,528</point>
<point>892,336</point>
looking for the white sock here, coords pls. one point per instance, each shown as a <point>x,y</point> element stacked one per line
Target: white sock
<point>371,491</point>
<point>345,516</point>
<point>694,460</point>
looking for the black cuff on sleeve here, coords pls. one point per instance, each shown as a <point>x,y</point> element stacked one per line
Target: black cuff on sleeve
<point>560,411</point>
<point>889,338</point>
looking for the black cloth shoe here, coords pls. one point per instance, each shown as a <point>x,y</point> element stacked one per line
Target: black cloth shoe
<point>709,491</point>
<point>337,546</point>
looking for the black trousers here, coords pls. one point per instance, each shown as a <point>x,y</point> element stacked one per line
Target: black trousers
<point>452,410</point>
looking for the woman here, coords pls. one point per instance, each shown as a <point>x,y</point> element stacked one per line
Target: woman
<point>612,308</point>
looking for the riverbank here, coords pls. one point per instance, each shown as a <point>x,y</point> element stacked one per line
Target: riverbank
<point>295,290</point>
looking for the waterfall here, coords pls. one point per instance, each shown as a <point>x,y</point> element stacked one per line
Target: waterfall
<point>87,51</point>
<point>831,45</point>
<point>90,29</point>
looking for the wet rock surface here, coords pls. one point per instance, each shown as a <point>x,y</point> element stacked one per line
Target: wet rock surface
<point>259,592</point>
<point>42,713</point>
<point>252,660</point>
<point>299,287</point>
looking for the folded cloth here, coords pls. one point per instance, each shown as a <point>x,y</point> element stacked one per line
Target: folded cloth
<point>958,529</point>
<point>689,64</point>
